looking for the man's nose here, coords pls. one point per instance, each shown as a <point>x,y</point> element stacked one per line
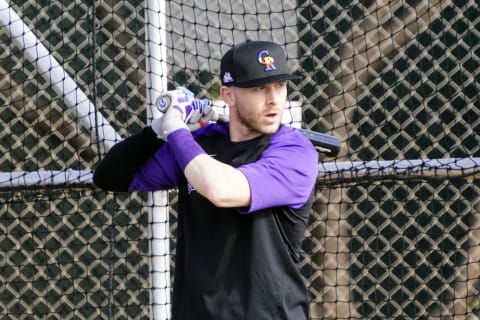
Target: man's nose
<point>271,96</point>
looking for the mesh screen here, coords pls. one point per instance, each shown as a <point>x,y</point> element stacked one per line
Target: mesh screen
<point>391,79</point>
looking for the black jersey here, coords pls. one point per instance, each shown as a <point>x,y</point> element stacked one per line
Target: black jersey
<point>242,263</point>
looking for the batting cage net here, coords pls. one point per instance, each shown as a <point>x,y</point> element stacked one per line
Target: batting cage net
<point>394,233</point>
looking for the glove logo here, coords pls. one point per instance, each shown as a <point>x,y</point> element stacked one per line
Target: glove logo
<point>265,59</point>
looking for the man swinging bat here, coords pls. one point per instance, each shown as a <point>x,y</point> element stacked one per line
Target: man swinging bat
<point>245,191</point>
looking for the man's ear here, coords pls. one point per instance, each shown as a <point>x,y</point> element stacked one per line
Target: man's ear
<point>227,96</point>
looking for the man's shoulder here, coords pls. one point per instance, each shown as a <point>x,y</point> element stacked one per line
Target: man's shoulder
<point>291,136</point>
<point>220,129</point>
<point>292,144</point>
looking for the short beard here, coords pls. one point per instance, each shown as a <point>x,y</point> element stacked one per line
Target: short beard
<point>249,121</point>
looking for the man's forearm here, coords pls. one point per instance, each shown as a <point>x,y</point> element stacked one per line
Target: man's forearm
<point>222,184</point>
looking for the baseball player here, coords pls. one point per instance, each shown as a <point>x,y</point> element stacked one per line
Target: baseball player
<point>245,191</point>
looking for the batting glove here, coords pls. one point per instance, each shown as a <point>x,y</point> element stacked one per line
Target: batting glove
<point>203,113</point>
<point>181,110</point>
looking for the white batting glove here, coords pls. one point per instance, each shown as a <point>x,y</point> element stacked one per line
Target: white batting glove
<point>177,108</point>
<point>181,110</point>
<point>202,114</point>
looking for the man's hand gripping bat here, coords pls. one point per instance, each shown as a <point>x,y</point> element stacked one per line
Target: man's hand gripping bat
<point>324,143</point>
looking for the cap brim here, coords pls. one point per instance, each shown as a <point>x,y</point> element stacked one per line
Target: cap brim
<point>262,81</point>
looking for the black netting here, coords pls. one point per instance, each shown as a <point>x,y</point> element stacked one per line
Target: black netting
<point>392,80</point>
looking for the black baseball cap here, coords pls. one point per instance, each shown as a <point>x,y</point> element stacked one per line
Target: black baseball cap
<point>254,63</point>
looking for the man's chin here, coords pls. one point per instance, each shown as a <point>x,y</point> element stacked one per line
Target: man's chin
<point>270,129</point>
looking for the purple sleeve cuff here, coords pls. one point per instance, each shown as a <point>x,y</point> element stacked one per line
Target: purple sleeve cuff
<point>184,147</point>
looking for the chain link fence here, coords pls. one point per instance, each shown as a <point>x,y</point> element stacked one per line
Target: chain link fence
<point>391,79</point>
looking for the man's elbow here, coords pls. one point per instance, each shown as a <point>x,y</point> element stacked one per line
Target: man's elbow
<point>227,197</point>
<point>100,180</point>
<point>108,182</point>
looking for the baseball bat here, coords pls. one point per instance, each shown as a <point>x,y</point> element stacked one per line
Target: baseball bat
<point>324,143</point>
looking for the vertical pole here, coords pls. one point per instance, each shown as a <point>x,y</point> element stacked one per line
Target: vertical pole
<point>156,73</point>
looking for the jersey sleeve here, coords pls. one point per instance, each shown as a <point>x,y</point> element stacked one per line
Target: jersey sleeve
<point>285,174</point>
<point>160,172</point>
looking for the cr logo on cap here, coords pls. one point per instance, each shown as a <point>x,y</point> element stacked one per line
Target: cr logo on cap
<point>265,59</point>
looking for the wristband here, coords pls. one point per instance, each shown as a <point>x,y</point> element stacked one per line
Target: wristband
<point>163,126</point>
<point>184,147</point>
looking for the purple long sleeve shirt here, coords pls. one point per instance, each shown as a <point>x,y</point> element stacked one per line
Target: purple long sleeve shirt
<point>283,176</point>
